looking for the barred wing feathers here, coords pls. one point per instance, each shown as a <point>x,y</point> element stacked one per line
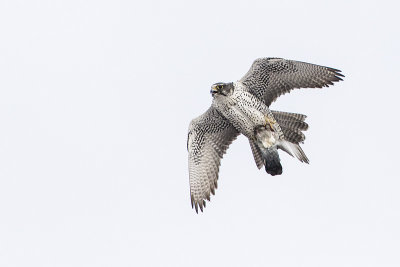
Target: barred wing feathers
<point>270,78</point>
<point>209,137</point>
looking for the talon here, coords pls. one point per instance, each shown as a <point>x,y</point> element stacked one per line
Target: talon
<point>270,122</point>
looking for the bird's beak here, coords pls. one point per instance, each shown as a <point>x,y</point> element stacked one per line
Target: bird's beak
<point>214,89</point>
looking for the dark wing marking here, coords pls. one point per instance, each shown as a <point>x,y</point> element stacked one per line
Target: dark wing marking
<point>209,137</point>
<point>269,78</point>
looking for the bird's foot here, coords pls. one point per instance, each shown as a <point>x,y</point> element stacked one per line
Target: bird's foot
<point>270,123</point>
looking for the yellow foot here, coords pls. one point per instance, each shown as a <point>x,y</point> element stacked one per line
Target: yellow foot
<point>271,122</point>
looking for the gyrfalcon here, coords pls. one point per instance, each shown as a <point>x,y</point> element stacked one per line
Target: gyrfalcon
<point>242,107</point>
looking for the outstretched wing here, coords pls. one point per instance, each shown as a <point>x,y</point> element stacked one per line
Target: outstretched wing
<point>209,137</point>
<point>269,78</point>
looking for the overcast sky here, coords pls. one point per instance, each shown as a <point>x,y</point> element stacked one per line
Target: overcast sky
<point>95,102</point>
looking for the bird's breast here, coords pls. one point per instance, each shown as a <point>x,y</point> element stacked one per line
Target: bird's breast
<point>243,110</point>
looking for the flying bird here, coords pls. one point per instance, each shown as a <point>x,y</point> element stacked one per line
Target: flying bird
<point>242,107</point>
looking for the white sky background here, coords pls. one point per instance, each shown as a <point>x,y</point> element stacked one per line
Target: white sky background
<point>95,101</point>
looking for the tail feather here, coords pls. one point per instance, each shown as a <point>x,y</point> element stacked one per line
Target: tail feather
<point>293,136</point>
<point>292,125</point>
<point>258,158</point>
<point>280,115</point>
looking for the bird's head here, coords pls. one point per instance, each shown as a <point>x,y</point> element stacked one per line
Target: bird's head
<point>222,89</point>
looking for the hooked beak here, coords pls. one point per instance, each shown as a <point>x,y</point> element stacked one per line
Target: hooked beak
<point>214,89</point>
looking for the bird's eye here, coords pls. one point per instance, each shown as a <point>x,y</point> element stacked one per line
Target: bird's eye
<point>219,87</point>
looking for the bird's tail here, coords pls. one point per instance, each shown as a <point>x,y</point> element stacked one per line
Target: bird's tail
<point>292,125</point>
<point>265,152</point>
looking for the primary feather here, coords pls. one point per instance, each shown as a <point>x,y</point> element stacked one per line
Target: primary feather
<point>242,107</point>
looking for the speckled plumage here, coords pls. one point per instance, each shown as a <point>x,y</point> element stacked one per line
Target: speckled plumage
<point>208,139</point>
<point>243,107</point>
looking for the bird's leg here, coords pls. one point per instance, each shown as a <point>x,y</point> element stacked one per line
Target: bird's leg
<point>270,122</point>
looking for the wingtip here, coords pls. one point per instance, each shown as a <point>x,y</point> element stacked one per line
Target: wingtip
<point>333,69</point>
<point>198,205</point>
<point>340,75</point>
<point>336,72</point>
